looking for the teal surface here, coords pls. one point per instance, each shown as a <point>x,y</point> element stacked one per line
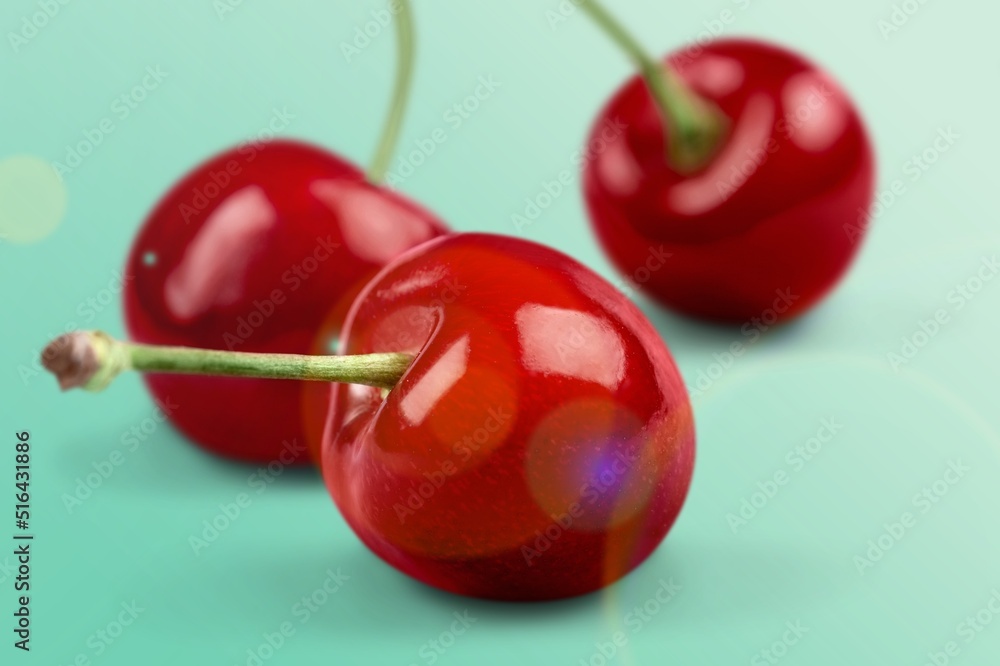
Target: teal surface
<point>844,508</point>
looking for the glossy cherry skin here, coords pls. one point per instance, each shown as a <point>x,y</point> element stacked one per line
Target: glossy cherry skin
<point>261,248</point>
<point>541,443</point>
<point>780,207</point>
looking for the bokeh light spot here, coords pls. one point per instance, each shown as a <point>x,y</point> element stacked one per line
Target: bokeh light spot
<point>32,199</point>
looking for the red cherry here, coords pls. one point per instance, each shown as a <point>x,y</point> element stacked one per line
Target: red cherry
<point>261,248</point>
<point>781,205</point>
<point>539,446</point>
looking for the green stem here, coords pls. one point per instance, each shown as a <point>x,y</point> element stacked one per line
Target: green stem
<point>92,359</point>
<point>695,126</point>
<point>405,49</point>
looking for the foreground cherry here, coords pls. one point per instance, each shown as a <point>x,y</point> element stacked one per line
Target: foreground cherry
<point>753,174</point>
<point>537,441</point>
<point>262,248</point>
<point>540,445</point>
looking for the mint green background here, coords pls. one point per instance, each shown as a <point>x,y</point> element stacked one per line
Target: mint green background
<point>793,562</point>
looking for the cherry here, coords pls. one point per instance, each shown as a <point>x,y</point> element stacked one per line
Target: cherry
<point>270,264</point>
<point>516,429</point>
<point>263,248</point>
<point>775,199</point>
<point>540,445</point>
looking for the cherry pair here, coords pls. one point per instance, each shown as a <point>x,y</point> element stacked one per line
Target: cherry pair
<point>508,425</point>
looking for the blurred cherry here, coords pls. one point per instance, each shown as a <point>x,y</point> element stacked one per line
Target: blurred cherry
<point>740,183</point>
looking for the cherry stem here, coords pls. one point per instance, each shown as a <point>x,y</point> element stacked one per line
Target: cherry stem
<point>695,124</point>
<point>405,49</point>
<point>92,359</point>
